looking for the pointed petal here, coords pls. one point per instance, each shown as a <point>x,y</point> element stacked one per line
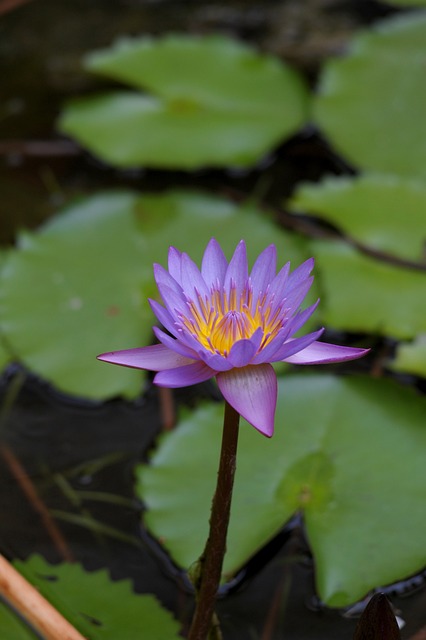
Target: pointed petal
<point>266,353</point>
<point>278,285</point>
<point>301,273</point>
<point>163,316</point>
<point>174,345</point>
<point>300,318</point>
<point>264,269</point>
<point>164,279</point>
<point>252,391</point>
<point>174,264</point>
<point>192,280</point>
<point>184,376</point>
<point>214,265</point>
<point>155,358</point>
<point>323,353</point>
<point>237,271</point>
<point>294,298</point>
<point>296,344</point>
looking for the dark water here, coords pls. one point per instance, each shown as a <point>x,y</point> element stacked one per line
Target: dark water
<point>68,447</point>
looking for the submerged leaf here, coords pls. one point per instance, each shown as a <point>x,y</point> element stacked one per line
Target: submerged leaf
<point>347,453</point>
<point>371,102</point>
<point>226,104</point>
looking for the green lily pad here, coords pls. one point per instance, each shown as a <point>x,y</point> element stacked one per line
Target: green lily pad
<point>347,452</point>
<point>370,103</point>
<point>5,355</point>
<point>226,105</point>
<point>96,606</point>
<point>411,357</point>
<point>360,293</point>
<point>80,286</point>
<point>382,212</point>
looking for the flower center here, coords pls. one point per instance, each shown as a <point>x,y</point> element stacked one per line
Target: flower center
<point>224,318</point>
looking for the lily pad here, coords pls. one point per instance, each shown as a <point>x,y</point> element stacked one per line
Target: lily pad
<point>80,286</point>
<point>347,453</point>
<point>370,103</point>
<point>382,212</point>
<point>368,295</point>
<point>411,357</point>
<point>96,606</point>
<point>213,102</point>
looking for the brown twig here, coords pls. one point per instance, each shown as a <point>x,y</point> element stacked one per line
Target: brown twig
<point>27,486</point>
<point>40,614</point>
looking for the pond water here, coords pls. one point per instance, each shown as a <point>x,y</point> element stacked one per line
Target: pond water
<point>68,446</point>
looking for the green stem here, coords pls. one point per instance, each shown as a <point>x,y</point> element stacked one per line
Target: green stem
<point>211,560</point>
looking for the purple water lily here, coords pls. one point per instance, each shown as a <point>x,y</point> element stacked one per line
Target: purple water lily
<point>227,323</point>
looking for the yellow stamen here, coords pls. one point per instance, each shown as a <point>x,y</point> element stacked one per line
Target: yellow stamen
<point>224,318</point>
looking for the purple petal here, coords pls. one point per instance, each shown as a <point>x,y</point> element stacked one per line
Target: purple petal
<point>214,265</point>
<point>243,351</point>
<point>155,358</point>
<point>166,319</point>
<point>296,344</point>
<point>323,353</point>
<point>192,280</point>
<point>278,284</point>
<point>164,279</point>
<point>266,354</point>
<point>300,318</point>
<point>174,302</point>
<point>215,361</point>
<point>294,298</point>
<point>174,264</point>
<point>237,271</point>
<point>175,345</point>
<point>264,269</point>
<point>252,391</point>
<point>184,376</point>
<point>301,273</point>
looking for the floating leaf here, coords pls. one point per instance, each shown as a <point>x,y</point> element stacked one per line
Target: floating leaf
<point>364,294</point>
<point>348,453</point>
<point>381,212</point>
<point>411,357</point>
<point>225,105</point>
<point>371,103</point>
<point>96,606</point>
<point>80,286</point>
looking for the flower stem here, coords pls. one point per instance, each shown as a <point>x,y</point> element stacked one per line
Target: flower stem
<point>209,568</point>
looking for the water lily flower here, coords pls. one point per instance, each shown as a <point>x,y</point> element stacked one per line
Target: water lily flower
<point>224,322</point>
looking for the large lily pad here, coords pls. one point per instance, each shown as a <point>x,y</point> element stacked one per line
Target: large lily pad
<point>360,293</point>
<point>386,213</point>
<point>80,285</point>
<point>411,357</point>
<point>213,102</point>
<point>347,453</point>
<point>371,103</point>
<point>99,608</point>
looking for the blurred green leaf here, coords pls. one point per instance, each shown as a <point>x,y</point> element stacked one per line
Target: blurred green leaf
<point>382,212</point>
<point>348,453</point>
<point>11,628</point>
<point>371,103</point>
<point>80,286</point>
<point>96,606</point>
<point>411,357</point>
<point>214,102</point>
<point>360,293</point>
